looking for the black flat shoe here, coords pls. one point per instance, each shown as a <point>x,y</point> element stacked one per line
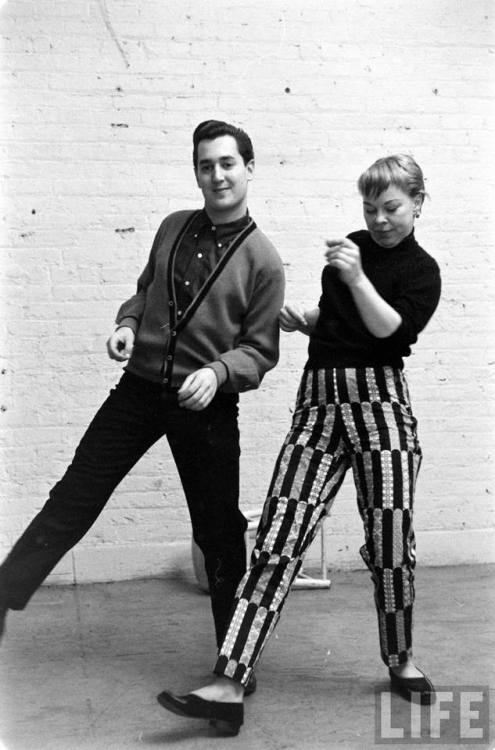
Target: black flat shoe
<point>406,686</point>
<point>227,718</point>
<point>251,685</point>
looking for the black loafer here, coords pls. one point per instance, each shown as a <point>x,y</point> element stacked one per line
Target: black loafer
<point>251,685</point>
<point>407,686</point>
<point>227,718</point>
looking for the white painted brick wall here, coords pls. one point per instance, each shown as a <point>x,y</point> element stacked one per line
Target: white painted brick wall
<point>99,100</point>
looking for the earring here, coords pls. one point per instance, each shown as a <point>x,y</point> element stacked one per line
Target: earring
<point>417,213</point>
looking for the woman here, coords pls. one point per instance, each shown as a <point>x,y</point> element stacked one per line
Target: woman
<point>379,290</point>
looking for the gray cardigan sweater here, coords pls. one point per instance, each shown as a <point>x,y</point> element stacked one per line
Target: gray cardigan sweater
<point>231,325</point>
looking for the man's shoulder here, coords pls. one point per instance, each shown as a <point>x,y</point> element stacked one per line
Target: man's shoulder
<point>178,217</point>
<point>261,249</point>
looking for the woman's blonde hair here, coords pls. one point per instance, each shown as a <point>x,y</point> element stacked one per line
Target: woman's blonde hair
<point>400,170</point>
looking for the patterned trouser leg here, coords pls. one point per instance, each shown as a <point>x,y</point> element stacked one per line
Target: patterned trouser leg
<point>343,418</point>
<point>385,458</point>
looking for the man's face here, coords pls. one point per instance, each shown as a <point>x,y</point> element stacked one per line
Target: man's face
<point>223,178</point>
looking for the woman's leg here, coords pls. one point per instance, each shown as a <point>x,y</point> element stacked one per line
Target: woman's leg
<point>385,460</point>
<point>308,473</point>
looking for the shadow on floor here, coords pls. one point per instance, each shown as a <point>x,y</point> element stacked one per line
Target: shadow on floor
<point>81,666</point>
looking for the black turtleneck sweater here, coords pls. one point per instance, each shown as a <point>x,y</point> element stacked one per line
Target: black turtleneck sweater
<point>405,276</point>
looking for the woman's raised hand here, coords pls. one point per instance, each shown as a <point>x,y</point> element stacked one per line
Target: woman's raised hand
<point>345,256</point>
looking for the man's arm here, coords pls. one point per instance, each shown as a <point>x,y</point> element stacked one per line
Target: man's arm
<point>131,311</point>
<point>121,342</point>
<point>257,349</point>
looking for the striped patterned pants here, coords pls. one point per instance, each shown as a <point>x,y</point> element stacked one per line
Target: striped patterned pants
<point>358,418</point>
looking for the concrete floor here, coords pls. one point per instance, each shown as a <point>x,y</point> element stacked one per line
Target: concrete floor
<point>81,666</point>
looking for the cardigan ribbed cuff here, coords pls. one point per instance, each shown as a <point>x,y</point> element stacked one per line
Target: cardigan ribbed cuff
<point>128,323</point>
<point>220,370</point>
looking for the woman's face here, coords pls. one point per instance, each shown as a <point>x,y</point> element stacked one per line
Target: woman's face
<point>390,216</point>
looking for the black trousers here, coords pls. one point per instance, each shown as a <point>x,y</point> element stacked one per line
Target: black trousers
<point>205,447</point>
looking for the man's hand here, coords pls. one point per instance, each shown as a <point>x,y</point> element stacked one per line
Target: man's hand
<point>346,257</point>
<point>120,344</point>
<point>198,389</point>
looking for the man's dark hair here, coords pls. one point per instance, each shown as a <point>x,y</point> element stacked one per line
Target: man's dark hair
<point>210,129</point>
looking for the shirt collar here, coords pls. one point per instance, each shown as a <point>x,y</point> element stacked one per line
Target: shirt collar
<point>223,230</point>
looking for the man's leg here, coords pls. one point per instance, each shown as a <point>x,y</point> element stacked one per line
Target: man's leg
<point>122,430</point>
<point>205,446</point>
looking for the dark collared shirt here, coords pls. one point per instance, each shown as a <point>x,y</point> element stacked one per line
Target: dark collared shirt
<point>200,250</point>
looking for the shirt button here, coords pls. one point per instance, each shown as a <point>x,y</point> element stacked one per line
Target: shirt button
<point>213,229</point>
<point>219,244</point>
<point>200,255</point>
<point>165,380</point>
<point>174,333</point>
<point>186,283</point>
<point>171,303</point>
<point>179,312</point>
<point>169,357</point>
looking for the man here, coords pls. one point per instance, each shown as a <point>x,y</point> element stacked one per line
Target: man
<point>201,328</point>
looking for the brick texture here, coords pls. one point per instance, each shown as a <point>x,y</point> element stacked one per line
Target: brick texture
<point>99,100</point>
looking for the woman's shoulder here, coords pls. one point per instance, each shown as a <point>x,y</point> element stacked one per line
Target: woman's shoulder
<point>422,261</point>
<point>425,256</point>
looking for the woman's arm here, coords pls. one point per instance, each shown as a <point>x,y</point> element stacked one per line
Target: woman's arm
<point>380,318</point>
